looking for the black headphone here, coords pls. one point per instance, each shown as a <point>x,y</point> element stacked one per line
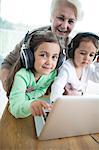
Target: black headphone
<point>27,55</point>
<point>76,41</point>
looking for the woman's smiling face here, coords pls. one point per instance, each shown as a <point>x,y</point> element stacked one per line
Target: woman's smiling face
<point>63,20</point>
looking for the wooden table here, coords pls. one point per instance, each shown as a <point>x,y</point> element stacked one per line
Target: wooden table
<point>19,134</point>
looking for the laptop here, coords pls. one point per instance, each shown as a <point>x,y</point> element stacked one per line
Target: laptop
<point>70,116</point>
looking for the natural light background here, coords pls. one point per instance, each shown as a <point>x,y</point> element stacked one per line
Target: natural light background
<point>37,13</point>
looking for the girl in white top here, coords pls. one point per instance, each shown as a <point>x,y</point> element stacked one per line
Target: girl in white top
<point>79,68</point>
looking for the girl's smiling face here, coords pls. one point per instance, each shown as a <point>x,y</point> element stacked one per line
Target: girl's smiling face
<point>84,54</point>
<point>46,57</point>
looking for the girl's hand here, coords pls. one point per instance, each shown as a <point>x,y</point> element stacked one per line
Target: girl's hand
<point>37,107</point>
<point>69,90</point>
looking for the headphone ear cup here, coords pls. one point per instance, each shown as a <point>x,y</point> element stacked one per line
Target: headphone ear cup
<point>30,59</point>
<point>60,60</point>
<point>23,58</point>
<point>27,58</point>
<point>70,50</point>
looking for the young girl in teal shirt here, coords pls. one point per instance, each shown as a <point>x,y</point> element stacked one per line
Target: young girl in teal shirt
<point>33,74</point>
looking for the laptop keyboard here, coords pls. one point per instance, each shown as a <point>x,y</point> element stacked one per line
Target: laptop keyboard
<point>46,115</point>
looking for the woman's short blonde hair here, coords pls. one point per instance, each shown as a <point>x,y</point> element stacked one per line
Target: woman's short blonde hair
<point>70,3</point>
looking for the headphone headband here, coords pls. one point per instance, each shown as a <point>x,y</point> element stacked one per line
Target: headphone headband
<point>87,34</point>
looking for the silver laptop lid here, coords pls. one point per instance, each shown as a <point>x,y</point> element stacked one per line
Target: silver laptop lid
<point>72,116</point>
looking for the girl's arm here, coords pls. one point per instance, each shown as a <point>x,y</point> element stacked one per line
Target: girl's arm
<point>94,76</point>
<point>57,88</point>
<point>19,101</point>
<point>19,104</point>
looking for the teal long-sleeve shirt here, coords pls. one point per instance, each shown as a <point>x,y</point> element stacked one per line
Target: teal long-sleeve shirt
<point>19,99</point>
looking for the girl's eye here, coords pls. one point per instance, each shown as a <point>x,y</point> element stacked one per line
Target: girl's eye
<point>92,55</point>
<point>82,53</point>
<point>55,58</point>
<point>43,55</point>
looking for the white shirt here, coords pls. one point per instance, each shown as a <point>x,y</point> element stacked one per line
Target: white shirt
<point>67,74</point>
